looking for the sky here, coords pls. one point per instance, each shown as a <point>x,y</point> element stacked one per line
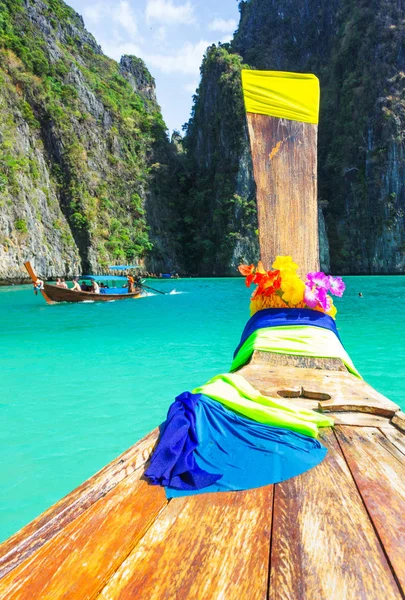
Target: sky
<point>171,36</point>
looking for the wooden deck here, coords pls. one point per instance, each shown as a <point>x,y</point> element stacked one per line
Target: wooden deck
<point>335,532</point>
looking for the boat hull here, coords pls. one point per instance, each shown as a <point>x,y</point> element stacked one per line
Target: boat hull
<point>294,539</point>
<point>58,294</point>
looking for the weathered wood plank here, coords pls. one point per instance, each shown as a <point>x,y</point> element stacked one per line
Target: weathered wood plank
<point>359,419</point>
<point>323,544</point>
<point>79,560</point>
<point>399,420</point>
<point>205,546</point>
<point>336,390</point>
<point>284,155</point>
<point>265,359</point>
<point>31,537</point>
<point>391,448</point>
<point>397,438</point>
<point>380,476</point>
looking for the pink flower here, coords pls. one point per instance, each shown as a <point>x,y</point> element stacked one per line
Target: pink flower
<point>322,298</point>
<point>314,296</point>
<point>336,286</point>
<point>311,296</point>
<point>319,279</point>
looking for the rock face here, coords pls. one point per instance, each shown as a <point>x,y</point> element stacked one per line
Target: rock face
<point>219,223</point>
<point>89,178</point>
<point>80,137</point>
<point>135,72</point>
<point>357,51</point>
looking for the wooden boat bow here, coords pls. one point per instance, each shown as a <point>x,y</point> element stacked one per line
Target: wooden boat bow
<point>335,532</point>
<point>118,537</point>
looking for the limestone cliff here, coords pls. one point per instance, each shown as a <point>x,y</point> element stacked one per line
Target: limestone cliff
<point>357,49</point>
<point>219,221</point>
<point>81,138</point>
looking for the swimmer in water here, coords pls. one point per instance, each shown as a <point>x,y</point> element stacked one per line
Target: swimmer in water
<point>361,295</point>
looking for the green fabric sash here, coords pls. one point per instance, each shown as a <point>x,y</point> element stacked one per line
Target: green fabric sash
<point>234,392</point>
<point>302,340</point>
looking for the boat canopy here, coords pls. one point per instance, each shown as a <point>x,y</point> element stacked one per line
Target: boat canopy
<point>104,277</point>
<point>123,267</point>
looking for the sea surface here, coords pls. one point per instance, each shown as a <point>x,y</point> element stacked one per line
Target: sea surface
<point>81,383</point>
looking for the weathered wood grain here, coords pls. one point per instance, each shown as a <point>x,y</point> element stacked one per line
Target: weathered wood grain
<point>31,537</point>
<point>399,420</point>
<point>284,155</point>
<point>79,560</point>
<point>379,472</point>
<point>397,438</point>
<point>267,359</point>
<point>337,390</point>
<point>201,547</point>
<point>323,543</point>
<point>392,448</point>
<point>359,419</point>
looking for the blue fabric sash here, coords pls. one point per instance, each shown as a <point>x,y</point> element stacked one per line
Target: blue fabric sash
<point>173,462</point>
<point>276,317</point>
<point>247,454</point>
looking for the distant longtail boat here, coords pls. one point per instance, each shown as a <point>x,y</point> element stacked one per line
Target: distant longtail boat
<point>54,294</point>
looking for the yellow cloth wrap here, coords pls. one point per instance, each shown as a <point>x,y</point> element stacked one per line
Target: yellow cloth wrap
<point>233,391</point>
<point>293,96</point>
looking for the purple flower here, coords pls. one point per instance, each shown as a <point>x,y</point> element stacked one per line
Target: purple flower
<point>322,299</point>
<point>311,296</point>
<point>319,279</point>
<point>314,296</point>
<point>329,303</point>
<point>336,286</point>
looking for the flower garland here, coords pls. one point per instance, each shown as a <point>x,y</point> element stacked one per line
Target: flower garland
<point>283,288</point>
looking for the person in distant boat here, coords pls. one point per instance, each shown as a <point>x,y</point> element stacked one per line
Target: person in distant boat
<point>131,283</point>
<point>95,288</point>
<point>63,283</point>
<point>58,282</point>
<point>38,286</point>
<point>76,287</point>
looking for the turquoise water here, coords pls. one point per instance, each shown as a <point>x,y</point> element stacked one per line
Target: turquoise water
<point>81,383</point>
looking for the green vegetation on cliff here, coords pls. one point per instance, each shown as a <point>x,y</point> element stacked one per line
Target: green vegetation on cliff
<point>88,176</point>
<point>218,211</point>
<point>357,51</point>
<point>99,135</point>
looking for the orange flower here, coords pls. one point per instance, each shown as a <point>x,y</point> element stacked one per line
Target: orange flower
<point>260,269</point>
<point>246,270</point>
<point>249,272</point>
<point>272,283</point>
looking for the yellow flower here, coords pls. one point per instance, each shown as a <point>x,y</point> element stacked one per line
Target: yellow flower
<point>293,289</point>
<point>284,263</point>
<point>332,312</point>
